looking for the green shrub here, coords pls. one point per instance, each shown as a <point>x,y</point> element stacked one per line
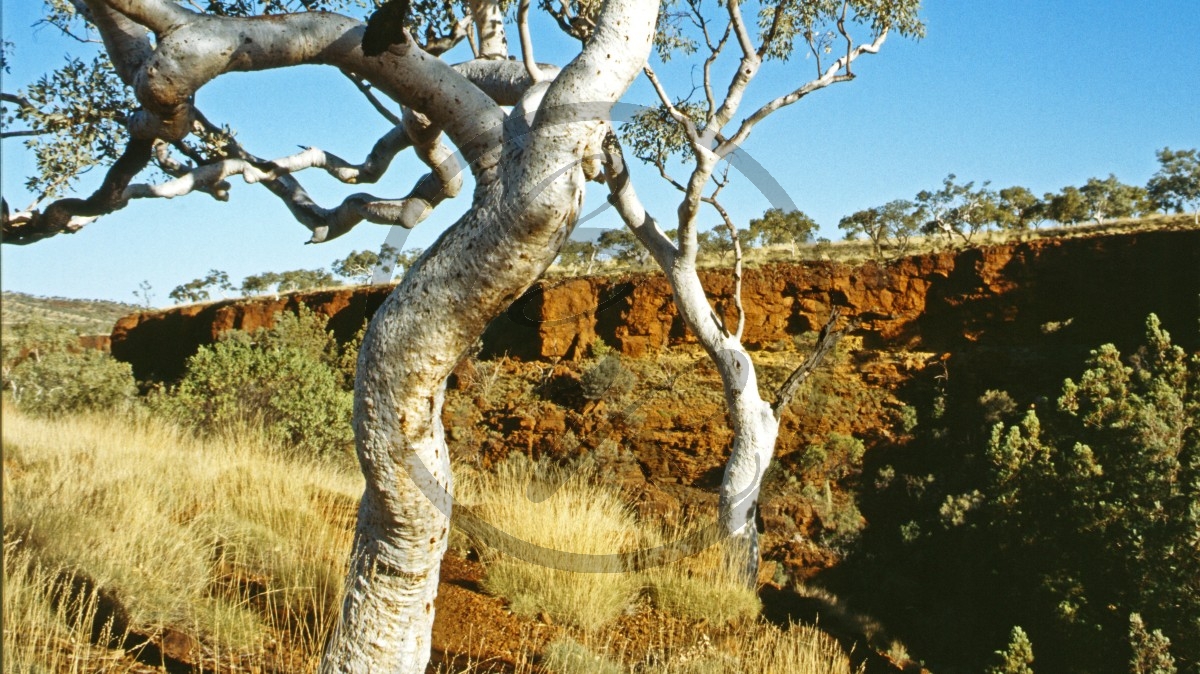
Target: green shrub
<point>285,379</point>
<point>46,372</point>
<point>1091,510</point>
<point>1151,650</point>
<point>609,380</point>
<point>1017,658</point>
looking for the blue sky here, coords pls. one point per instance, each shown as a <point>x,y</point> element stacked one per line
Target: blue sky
<point>1017,92</point>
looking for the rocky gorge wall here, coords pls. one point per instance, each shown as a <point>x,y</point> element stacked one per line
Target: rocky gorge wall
<point>1075,291</point>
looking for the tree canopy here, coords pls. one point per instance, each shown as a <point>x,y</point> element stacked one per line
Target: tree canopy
<point>1176,185</point>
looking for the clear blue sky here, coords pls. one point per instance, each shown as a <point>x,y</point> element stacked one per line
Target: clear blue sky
<point>1016,91</point>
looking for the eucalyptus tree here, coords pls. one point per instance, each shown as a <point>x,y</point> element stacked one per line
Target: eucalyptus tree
<point>958,210</point>
<point>199,290</point>
<point>894,223</point>
<point>579,254</point>
<point>1176,185</point>
<point>287,281</point>
<point>529,133</point>
<point>1068,207</point>
<point>1110,198</point>
<point>360,265</point>
<point>621,246</point>
<point>777,226</point>
<point>1019,208</point>
<point>705,128</point>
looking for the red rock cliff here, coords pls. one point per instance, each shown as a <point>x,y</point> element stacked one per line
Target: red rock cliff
<point>996,295</point>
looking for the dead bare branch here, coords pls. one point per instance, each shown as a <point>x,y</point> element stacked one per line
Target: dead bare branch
<point>827,338</point>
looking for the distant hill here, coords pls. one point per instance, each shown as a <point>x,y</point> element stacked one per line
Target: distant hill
<point>87,317</point>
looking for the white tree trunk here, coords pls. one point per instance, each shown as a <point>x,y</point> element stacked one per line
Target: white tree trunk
<point>514,230</point>
<point>489,24</point>
<point>754,422</point>
<point>755,427</point>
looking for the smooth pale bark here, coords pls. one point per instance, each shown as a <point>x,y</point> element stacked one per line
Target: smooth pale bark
<point>191,49</point>
<point>513,231</point>
<point>753,420</point>
<point>489,24</point>
<point>755,423</point>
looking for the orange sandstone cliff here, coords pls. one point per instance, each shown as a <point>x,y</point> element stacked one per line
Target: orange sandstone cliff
<point>1100,287</point>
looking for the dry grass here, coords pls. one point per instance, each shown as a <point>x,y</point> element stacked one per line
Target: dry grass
<point>755,649</point>
<point>49,621</point>
<point>796,650</point>
<point>705,587</point>
<point>571,510</point>
<point>555,511</point>
<point>116,529</point>
<point>228,541</point>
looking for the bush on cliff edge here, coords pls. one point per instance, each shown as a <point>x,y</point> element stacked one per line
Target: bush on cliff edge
<point>286,379</point>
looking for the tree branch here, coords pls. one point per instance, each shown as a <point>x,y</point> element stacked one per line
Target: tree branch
<point>369,171</point>
<point>747,69</point>
<point>505,82</point>
<point>737,262</point>
<point>65,215</point>
<point>189,54</point>
<point>127,43</point>
<point>16,100</point>
<point>527,42</point>
<point>199,48</point>
<point>715,51</point>
<point>773,31</point>
<point>365,89</point>
<point>436,46</point>
<point>500,79</point>
<point>625,199</point>
<point>832,75</point>
<point>21,132</point>
<point>578,27</point>
<point>159,16</point>
<point>826,340</point>
<point>174,168</point>
<point>683,120</point>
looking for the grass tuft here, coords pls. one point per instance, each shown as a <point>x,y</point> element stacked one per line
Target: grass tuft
<point>565,655</point>
<point>228,540</point>
<point>706,587</point>
<point>552,510</point>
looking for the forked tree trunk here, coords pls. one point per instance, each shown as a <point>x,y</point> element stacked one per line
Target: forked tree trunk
<point>416,338</point>
<point>755,422</point>
<point>518,221</point>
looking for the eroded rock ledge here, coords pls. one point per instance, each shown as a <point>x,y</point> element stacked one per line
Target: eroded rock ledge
<point>1101,287</point>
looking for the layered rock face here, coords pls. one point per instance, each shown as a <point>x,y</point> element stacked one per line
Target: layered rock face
<point>1098,288</point>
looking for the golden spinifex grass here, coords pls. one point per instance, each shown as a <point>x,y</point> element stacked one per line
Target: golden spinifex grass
<point>707,586</point>
<point>570,509</point>
<point>556,510</point>
<point>759,648</point>
<point>228,540</point>
<point>51,620</point>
